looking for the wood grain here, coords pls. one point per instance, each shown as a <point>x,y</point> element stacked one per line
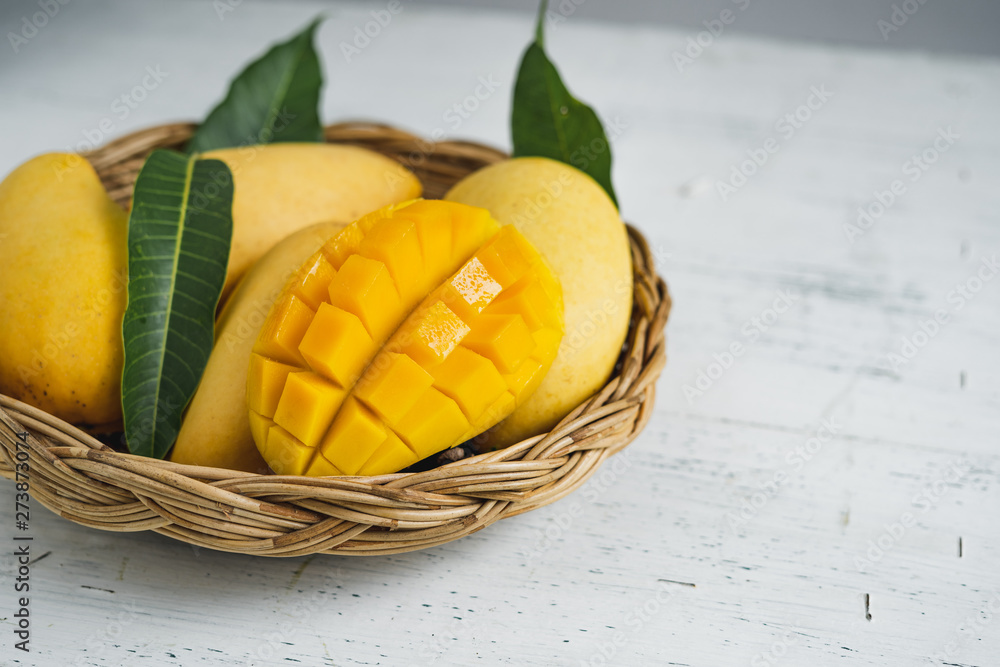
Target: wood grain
<point>784,582</point>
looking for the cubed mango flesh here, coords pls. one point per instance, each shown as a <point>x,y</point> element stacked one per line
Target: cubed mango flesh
<point>416,328</point>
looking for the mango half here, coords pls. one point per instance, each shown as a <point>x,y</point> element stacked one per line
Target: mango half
<point>416,328</point>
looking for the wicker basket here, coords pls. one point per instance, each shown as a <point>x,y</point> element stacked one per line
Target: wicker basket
<point>79,478</point>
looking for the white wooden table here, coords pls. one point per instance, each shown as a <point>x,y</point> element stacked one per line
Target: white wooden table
<point>814,502</point>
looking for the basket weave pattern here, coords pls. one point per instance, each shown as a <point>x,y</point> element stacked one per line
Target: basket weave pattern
<point>83,480</point>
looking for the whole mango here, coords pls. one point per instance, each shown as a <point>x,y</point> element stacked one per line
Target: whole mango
<point>281,188</point>
<point>577,229</point>
<point>413,330</point>
<point>216,430</point>
<point>63,278</point>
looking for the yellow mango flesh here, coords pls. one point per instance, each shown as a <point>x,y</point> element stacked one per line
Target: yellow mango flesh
<point>435,326</point>
<point>577,229</point>
<point>281,188</point>
<point>216,430</point>
<point>63,277</point>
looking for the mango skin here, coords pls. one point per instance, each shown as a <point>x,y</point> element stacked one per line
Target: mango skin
<point>284,187</point>
<point>578,230</point>
<point>63,278</point>
<point>216,429</point>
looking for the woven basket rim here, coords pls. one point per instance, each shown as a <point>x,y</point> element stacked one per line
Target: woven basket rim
<point>83,480</point>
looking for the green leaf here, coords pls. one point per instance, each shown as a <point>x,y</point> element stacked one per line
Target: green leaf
<point>179,234</point>
<point>276,98</point>
<point>547,121</point>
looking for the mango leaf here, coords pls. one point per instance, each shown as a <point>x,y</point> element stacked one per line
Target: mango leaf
<point>179,233</point>
<point>547,121</point>
<point>276,98</point>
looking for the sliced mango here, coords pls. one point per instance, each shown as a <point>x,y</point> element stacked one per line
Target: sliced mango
<point>308,403</point>
<point>313,281</point>
<point>393,385</point>
<point>470,380</point>
<point>433,419</point>
<point>391,455</point>
<point>284,328</point>
<point>416,328</point>
<point>364,287</point>
<point>503,339</point>
<point>265,382</point>
<point>337,345</point>
<point>285,453</point>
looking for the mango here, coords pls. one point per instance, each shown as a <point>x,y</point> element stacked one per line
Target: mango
<point>413,330</point>
<point>576,227</point>
<point>283,187</point>
<point>63,277</point>
<point>215,431</point>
